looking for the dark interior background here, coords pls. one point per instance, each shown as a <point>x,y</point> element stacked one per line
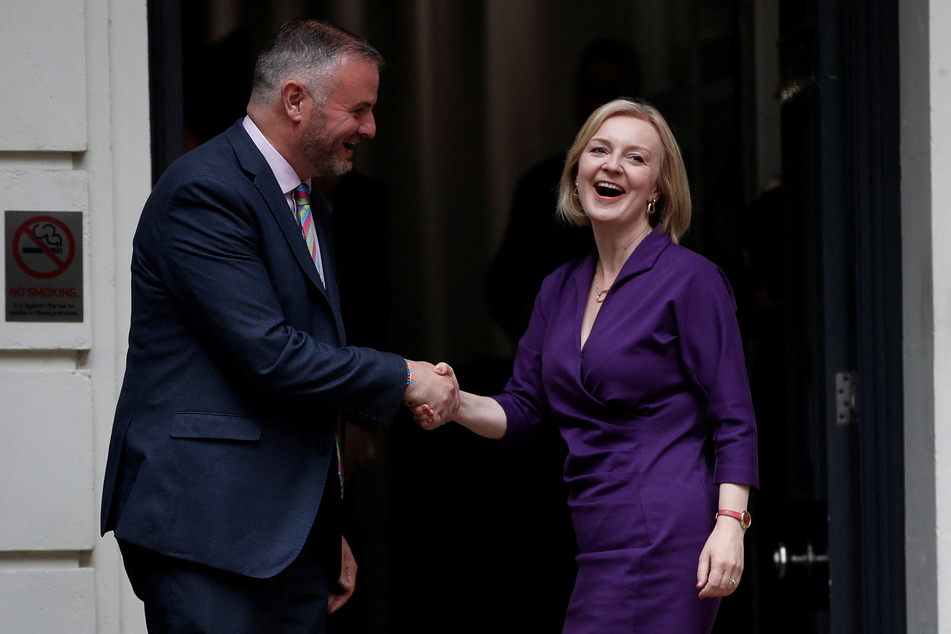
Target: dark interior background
<point>443,231</point>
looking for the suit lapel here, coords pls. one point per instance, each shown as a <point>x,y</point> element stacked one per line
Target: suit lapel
<point>320,208</point>
<point>253,162</point>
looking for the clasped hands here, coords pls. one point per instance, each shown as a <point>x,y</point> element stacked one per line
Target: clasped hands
<point>433,395</point>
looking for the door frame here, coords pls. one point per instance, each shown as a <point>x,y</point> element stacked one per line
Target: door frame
<point>853,297</point>
<point>860,66</point>
<point>166,92</point>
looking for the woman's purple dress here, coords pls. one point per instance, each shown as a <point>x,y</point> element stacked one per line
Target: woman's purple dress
<point>662,370</point>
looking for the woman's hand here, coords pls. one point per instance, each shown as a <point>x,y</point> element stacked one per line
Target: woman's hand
<point>422,414</point>
<point>721,560</point>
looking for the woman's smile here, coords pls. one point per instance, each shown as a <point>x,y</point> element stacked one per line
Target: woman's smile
<point>617,172</point>
<point>607,189</point>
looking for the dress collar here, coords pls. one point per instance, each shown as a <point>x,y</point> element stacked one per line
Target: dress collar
<point>641,259</point>
<point>645,254</point>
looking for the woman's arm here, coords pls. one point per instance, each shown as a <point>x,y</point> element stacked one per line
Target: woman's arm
<point>721,561</point>
<point>480,414</point>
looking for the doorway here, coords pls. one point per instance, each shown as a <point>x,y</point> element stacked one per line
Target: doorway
<point>799,206</point>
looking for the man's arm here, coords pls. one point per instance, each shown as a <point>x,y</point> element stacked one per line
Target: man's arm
<point>207,248</point>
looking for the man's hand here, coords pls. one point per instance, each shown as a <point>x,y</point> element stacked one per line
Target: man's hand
<point>436,388</point>
<point>347,581</point>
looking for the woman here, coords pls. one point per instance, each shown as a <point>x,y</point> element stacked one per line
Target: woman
<point>634,353</point>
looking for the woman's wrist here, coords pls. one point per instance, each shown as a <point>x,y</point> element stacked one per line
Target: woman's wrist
<point>743,517</point>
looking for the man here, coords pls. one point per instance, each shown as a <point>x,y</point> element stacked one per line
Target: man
<point>222,483</point>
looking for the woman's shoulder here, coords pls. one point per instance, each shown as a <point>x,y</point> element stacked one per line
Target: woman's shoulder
<point>688,262</point>
<point>561,285</point>
<point>567,273</point>
<point>687,273</point>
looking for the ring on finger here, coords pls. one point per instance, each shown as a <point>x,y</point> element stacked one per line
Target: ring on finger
<point>733,581</point>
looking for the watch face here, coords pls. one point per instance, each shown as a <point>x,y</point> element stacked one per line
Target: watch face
<point>746,519</point>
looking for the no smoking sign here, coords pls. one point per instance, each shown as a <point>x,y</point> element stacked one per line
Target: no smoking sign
<point>44,247</point>
<point>44,266</point>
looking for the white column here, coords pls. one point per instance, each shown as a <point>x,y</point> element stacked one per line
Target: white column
<point>926,230</point>
<point>940,102</point>
<point>74,136</point>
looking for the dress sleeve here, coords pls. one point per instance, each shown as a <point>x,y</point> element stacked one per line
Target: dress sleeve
<point>523,399</point>
<point>712,353</point>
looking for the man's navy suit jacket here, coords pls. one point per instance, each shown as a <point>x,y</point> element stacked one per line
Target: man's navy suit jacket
<point>236,370</point>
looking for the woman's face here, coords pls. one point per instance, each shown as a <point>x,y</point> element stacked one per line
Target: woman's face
<point>618,171</point>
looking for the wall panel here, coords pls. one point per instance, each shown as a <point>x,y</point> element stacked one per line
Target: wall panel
<point>46,462</point>
<point>43,76</point>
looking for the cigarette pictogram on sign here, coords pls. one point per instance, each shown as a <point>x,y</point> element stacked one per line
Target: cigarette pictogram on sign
<point>44,247</point>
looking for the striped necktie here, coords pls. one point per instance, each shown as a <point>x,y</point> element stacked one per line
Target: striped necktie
<point>302,200</point>
<point>306,218</point>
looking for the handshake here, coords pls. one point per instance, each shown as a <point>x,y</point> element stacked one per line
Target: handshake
<point>433,395</point>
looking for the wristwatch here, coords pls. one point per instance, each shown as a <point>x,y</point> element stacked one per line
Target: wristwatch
<point>743,517</point>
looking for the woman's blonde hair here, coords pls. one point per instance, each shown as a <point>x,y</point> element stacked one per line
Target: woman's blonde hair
<point>673,205</point>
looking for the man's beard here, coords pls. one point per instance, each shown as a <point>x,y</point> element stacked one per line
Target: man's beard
<point>321,151</point>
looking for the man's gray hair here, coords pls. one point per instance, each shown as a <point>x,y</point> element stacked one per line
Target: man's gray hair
<point>308,51</point>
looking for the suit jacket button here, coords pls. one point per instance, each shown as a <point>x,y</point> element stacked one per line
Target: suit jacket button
<point>323,448</point>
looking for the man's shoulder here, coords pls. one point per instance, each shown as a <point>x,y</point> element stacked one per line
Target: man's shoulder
<point>219,158</point>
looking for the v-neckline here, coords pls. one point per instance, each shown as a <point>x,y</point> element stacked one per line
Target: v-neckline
<point>585,339</point>
<point>642,258</point>
<point>584,291</point>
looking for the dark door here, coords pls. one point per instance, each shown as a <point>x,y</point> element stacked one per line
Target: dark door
<point>819,295</point>
<point>803,338</point>
<point>822,320</point>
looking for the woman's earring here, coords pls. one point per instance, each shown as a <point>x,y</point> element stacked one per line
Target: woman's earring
<point>651,207</point>
<point>576,190</point>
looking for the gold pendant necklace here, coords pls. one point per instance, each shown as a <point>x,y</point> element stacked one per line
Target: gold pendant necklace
<point>599,297</point>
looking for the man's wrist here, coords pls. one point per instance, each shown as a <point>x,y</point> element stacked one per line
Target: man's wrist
<point>409,375</point>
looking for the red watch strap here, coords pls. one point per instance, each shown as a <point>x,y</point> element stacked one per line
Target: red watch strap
<point>742,516</point>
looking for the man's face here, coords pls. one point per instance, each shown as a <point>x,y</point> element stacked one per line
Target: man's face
<point>344,120</point>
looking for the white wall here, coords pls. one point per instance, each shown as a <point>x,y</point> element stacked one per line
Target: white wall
<point>74,136</point>
<point>926,230</point>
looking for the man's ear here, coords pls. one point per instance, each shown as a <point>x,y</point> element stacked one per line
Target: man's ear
<point>293,98</point>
